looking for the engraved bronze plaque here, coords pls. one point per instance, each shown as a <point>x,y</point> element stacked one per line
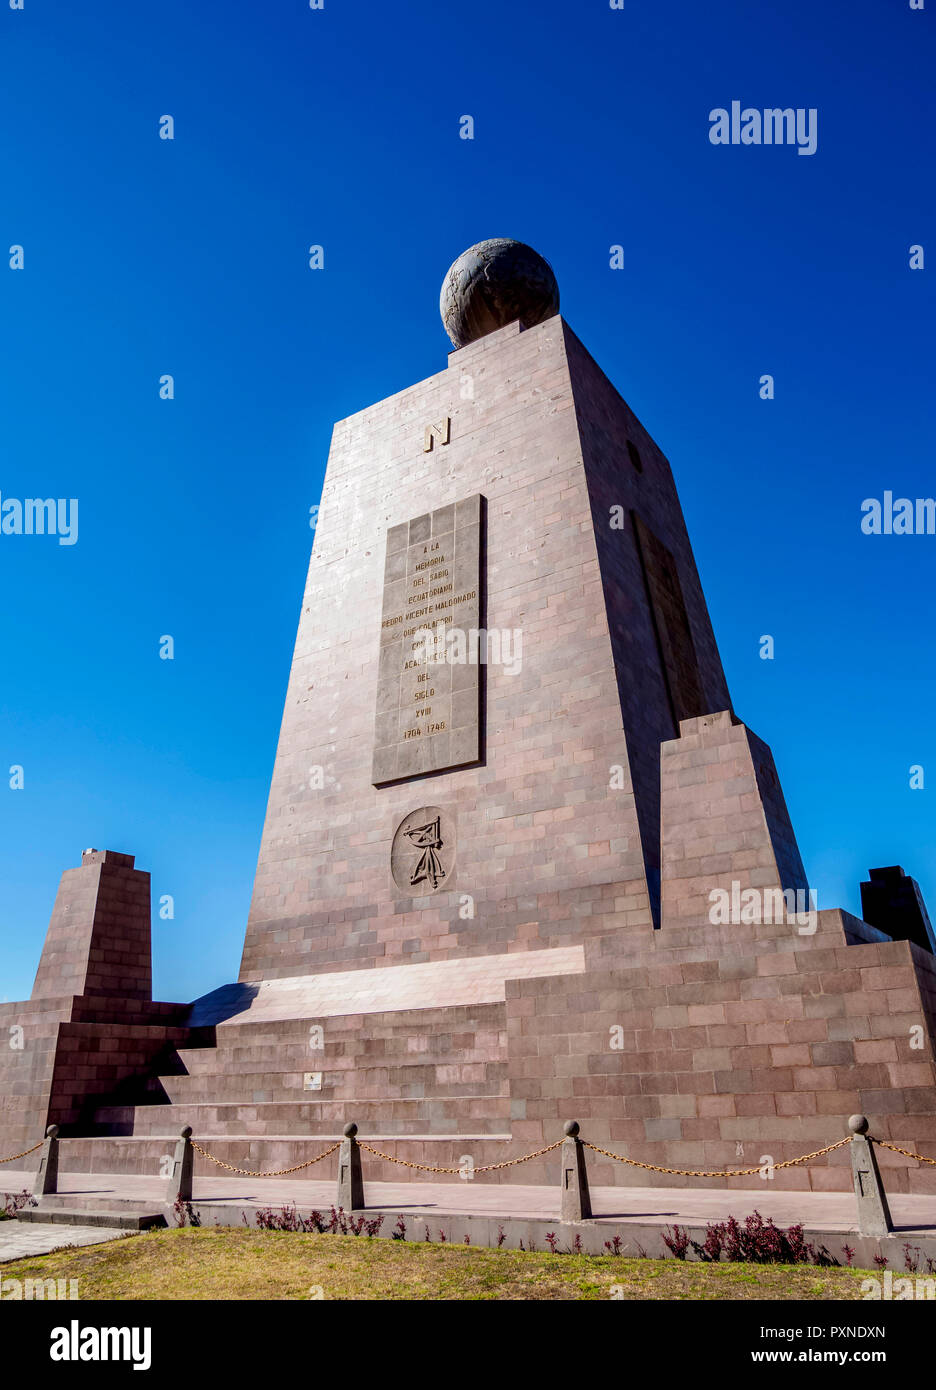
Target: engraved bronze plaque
<point>428,715</point>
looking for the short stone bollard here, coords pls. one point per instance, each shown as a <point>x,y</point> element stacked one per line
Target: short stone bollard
<point>179,1186</point>
<point>874,1218</point>
<point>47,1172</point>
<point>350,1173</point>
<point>576,1202</point>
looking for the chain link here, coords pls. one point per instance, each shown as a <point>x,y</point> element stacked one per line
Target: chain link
<point>248,1173</point>
<point>14,1157</point>
<point>432,1168</point>
<point>907,1153</point>
<point>719,1172</point>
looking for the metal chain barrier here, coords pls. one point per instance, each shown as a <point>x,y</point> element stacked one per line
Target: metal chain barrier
<point>537,1153</point>
<point>14,1157</point>
<point>431,1168</point>
<point>721,1172</point>
<point>248,1173</point>
<point>907,1153</point>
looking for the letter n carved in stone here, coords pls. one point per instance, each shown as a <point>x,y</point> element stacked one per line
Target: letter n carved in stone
<point>440,432</point>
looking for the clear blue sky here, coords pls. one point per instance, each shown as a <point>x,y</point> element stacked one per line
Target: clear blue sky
<point>340,127</point>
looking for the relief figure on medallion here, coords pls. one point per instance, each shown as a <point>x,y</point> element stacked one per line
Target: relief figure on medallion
<point>429,866</point>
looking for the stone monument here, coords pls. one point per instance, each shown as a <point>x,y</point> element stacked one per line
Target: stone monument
<point>521,858</point>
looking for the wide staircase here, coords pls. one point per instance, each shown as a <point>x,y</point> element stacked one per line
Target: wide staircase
<point>425,1071</point>
<point>418,1050</point>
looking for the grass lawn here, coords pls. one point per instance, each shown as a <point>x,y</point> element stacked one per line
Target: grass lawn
<point>237,1263</point>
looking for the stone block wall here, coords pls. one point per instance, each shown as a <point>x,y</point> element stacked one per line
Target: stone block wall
<point>28,1041</point>
<point>717,1054</point>
<point>98,1062</point>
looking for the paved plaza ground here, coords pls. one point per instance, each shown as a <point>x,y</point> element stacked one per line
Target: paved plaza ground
<point>644,1206</point>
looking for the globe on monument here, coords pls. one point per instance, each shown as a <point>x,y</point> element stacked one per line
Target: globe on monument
<point>494,283</point>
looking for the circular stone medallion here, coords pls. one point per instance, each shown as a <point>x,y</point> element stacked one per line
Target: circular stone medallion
<point>422,856</point>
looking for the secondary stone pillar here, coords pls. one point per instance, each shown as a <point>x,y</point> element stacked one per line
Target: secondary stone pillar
<point>179,1186</point>
<point>350,1174</point>
<point>47,1172</point>
<point>725,825</point>
<point>98,942</point>
<point>576,1202</point>
<point>891,901</point>
<point>874,1218</point>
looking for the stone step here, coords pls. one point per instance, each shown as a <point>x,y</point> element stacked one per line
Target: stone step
<point>438,1023</point>
<point>469,1114</point>
<point>349,1054</point>
<point>371,1084</point>
<point>88,1201</point>
<point>116,1217</point>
